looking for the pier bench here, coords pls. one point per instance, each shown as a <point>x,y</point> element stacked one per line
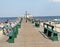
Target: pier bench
<point>49,32</point>
<point>13,32</point>
<point>37,23</point>
<point>11,37</point>
<point>32,20</point>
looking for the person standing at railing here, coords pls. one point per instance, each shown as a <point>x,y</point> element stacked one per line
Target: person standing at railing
<point>7,26</point>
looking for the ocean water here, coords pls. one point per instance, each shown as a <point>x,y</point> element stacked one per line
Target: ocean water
<point>3,19</point>
<point>48,18</point>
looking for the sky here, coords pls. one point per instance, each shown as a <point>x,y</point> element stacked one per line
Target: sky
<point>15,8</point>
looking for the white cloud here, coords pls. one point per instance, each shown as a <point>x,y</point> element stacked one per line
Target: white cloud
<point>54,0</point>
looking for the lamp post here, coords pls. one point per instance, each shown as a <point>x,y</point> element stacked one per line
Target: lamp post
<point>26,15</point>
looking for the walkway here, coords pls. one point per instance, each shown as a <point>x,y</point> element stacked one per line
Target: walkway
<point>30,36</point>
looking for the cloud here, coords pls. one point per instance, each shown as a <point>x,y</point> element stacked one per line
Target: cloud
<point>54,0</point>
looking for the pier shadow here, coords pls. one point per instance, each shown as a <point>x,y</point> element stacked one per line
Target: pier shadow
<point>43,34</point>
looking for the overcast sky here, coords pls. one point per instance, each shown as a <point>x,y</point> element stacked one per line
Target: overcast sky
<point>34,7</point>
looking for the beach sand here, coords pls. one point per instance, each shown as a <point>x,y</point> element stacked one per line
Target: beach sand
<point>56,26</point>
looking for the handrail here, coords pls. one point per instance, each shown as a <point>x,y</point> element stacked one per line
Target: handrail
<point>48,25</point>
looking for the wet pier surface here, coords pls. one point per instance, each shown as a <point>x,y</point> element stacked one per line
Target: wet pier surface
<point>29,36</point>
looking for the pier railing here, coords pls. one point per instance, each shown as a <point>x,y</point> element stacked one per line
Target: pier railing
<point>49,32</point>
<point>34,21</point>
<point>14,32</point>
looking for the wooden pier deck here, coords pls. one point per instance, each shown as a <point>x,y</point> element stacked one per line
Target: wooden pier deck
<point>30,36</point>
